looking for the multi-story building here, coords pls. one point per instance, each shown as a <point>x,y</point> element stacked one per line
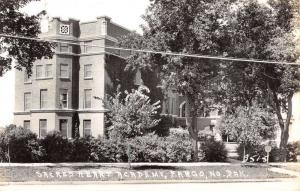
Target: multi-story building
<point>81,68</point>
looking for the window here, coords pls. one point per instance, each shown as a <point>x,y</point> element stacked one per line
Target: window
<point>39,71</point>
<point>87,98</point>
<point>64,70</point>
<point>27,101</point>
<point>64,98</point>
<point>43,127</point>
<point>173,106</point>
<point>43,99</point>
<point>64,29</point>
<point>88,71</point>
<point>87,46</point>
<point>86,128</point>
<point>228,138</point>
<point>63,127</point>
<point>64,48</point>
<point>26,124</point>
<point>48,70</point>
<point>27,78</point>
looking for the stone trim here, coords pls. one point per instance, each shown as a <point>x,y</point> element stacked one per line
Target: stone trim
<point>52,111</point>
<point>22,113</point>
<point>93,111</point>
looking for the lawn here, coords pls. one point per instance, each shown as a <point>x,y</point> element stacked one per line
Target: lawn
<point>136,173</point>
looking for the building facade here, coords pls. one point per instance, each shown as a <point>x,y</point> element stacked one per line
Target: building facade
<point>81,68</point>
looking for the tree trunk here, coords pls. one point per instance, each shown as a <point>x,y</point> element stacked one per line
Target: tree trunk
<point>191,122</point>
<point>283,127</point>
<point>285,132</point>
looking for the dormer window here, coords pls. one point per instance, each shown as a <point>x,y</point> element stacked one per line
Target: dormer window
<point>64,29</point>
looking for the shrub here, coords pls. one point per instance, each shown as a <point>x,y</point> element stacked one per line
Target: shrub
<point>132,116</point>
<point>291,153</point>
<point>148,148</point>
<point>163,127</point>
<point>179,146</point>
<point>258,151</point>
<point>80,150</point>
<point>106,150</point>
<point>56,147</point>
<point>214,151</point>
<point>22,143</point>
<point>250,126</point>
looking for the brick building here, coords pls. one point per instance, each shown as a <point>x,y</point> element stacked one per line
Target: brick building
<point>67,83</point>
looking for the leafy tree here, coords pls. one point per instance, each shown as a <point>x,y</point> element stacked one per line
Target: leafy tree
<point>75,125</point>
<point>18,144</point>
<point>192,27</point>
<point>25,52</point>
<point>249,126</point>
<point>263,32</point>
<point>233,28</point>
<point>130,116</point>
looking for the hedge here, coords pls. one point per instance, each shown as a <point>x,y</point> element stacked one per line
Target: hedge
<point>177,147</point>
<point>274,156</point>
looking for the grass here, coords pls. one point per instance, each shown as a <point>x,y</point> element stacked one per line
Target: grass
<point>141,173</point>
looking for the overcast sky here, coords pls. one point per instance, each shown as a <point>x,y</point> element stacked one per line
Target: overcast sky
<point>124,12</point>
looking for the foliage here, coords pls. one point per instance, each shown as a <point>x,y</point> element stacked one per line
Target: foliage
<point>275,154</point>
<point>107,150</point>
<point>164,125</point>
<point>214,151</point>
<point>57,147</point>
<point>250,126</point>
<point>80,150</point>
<point>261,31</point>
<point>148,148</point>
<point>179,146</point>
<point>131,116</point>
<point>25,52</point>
<point>22,144</point>
<point>241,29</point>
<point>75,125</point>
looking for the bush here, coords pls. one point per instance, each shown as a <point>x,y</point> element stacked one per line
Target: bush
<point>56,148</point>
<point>214,151</point>
<point>80,150</point>
<point>179,146</point>
<point>22,143</point>
<point>132,116</point>
<point>106,150</point>
<point>291,153</point>
<point>163,127</point>
<point>148,148</point>
<point>258,153</point>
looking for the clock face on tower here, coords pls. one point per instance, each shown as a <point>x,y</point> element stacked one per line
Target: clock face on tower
<point>64,29</point>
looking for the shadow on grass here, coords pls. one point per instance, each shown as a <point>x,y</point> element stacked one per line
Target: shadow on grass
<point>155,167</point>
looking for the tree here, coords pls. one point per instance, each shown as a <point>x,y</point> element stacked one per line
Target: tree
<point>249,126</point>
<point>18,144</point>
<point>262,31</point>
<point>24,52</point>
<point>130,116</point>
<point>233,28</point>
<point>192,27</point>
<point>75,125</point>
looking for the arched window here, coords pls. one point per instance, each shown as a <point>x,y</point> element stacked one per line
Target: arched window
<point>182,109</point>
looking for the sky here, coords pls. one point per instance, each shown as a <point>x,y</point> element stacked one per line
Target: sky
<point>123,12</point>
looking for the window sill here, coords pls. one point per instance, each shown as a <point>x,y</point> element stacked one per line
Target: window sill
<point>64,78</point>
<point>88,78</point>
<point>48,78</point>
<point>27,82</point>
